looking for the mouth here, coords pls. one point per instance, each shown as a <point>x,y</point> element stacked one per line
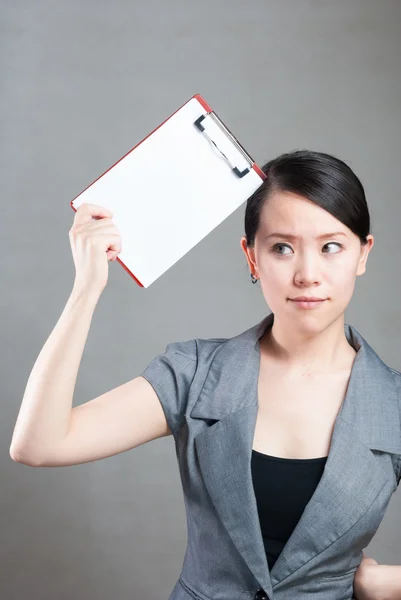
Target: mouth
<point>308,303</point>
<point>307,298</point>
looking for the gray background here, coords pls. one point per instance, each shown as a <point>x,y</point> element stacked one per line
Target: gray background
<point>82,83</point>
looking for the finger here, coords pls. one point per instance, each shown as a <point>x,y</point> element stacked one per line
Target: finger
<point>87,211</point>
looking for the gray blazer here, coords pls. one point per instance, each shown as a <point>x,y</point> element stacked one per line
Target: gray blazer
<point>208,391</point>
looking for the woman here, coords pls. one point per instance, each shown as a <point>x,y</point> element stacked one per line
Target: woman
<point>287,436</point>
<point>304,355</point>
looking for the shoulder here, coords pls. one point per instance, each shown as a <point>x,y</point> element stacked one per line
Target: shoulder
<point>184,359</point>
<point>196,349</point>
<point>172,373</point>
<point>207,347</point>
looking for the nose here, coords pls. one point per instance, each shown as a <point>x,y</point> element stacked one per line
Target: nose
<point>307,270</point>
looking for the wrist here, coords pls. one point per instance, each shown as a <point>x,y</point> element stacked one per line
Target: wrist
<point>85,294</point>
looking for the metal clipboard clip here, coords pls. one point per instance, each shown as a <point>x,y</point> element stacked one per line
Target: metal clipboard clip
<point>225,143</point>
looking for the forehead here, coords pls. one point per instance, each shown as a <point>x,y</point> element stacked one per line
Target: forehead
<point>291,213</point>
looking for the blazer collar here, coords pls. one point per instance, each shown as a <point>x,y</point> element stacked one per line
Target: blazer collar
<point>368,419</point>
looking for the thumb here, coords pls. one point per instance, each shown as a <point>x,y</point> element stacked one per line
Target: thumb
<point>87,211</point>
<point>369,560</point>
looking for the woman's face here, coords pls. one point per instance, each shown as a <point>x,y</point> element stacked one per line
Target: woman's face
<point>305,265</point>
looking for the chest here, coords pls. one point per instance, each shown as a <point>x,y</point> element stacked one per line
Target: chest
<point>296,415</point>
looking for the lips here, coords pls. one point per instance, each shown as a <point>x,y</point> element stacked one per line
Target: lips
<point>307,299</point>
<point>308,304</point>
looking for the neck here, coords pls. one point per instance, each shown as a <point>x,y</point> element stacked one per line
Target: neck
<point>306,352</point>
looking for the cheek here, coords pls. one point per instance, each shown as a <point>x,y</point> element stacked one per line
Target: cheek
<point>345,288</point>
<point>341,285</point>
<point>342,276</point>
<point>275,274</point>
<point>339,275</point>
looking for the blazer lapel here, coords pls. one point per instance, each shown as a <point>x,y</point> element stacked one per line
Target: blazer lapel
<point>352,478</point>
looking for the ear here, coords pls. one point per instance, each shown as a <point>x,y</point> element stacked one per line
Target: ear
<point>365,249</point>
<point>250,255</point>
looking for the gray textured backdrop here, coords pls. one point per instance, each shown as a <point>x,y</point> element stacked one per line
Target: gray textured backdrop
<point>83,82</point>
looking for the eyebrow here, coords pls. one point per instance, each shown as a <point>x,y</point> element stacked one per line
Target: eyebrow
<point>288,236</point>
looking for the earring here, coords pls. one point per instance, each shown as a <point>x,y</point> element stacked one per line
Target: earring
<point>253,278</point>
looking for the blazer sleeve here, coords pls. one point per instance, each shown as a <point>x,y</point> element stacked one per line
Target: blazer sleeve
<point>397,375</point>
<point>170,374</point>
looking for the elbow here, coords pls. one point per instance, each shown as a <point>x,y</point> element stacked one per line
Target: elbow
<point>19,457</point>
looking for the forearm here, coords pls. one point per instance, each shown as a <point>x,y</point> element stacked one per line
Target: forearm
<point>45,413</point>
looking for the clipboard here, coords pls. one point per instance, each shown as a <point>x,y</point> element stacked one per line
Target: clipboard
<point>173,188</point>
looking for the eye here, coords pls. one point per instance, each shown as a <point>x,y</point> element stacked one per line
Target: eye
<point>334,244</point>
<point>287,246</point>
<point>277,246</point>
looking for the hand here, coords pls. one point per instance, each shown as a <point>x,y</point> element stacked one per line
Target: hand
<point>94,241</point>
<point>364,588</point>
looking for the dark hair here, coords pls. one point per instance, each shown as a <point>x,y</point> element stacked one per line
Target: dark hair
<point>324,179</point>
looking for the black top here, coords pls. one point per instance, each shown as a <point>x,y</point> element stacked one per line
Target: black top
<point>283,487</point>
